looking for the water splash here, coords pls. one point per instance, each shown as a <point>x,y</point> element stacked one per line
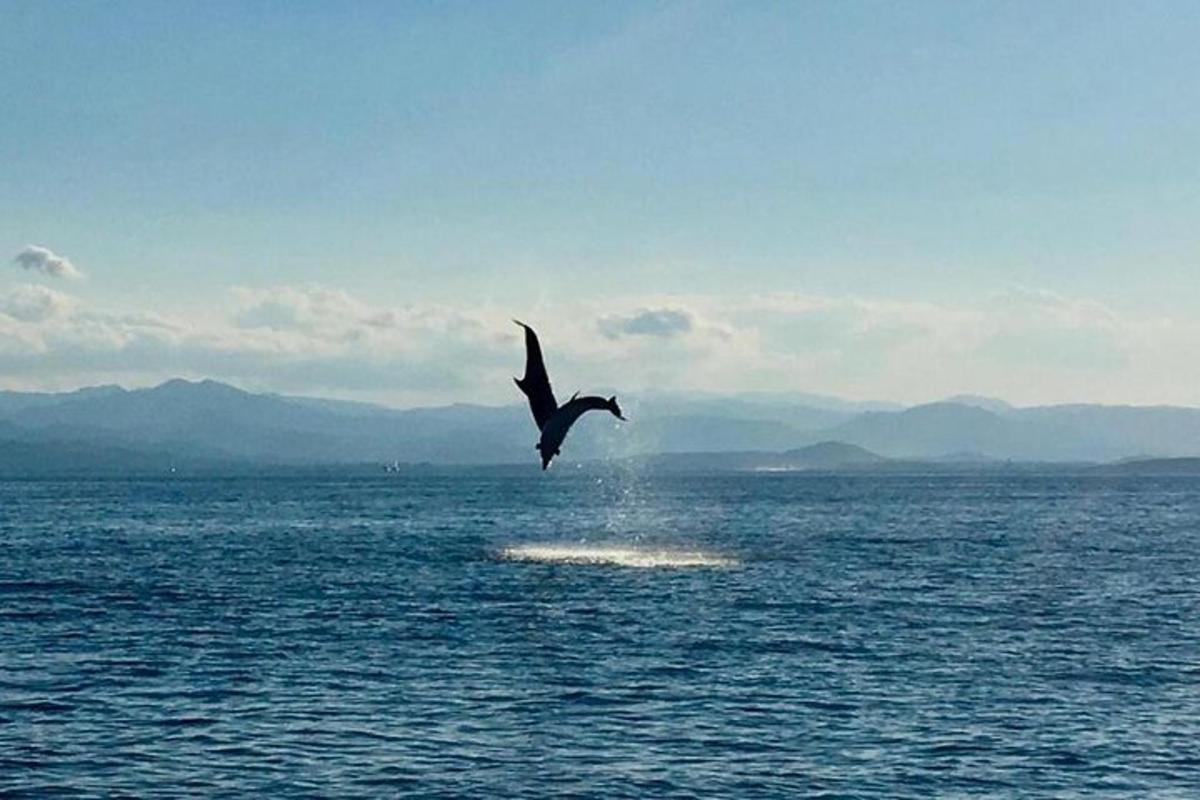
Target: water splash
<point>615,556</point>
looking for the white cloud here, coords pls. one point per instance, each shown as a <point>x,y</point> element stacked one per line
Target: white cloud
<point>1025,346</point>
<point>661,322</point>
<point>32,303</point>
<point>1028,346</point>
<point>45,261</point>
<point>298,308</point>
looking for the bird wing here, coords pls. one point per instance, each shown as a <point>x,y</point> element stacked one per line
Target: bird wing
<point>536,383</point>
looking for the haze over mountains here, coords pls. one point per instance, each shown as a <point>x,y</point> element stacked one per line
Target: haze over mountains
<point>189,424</point>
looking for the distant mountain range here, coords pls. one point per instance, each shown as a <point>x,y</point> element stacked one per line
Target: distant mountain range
<point>819,456</point>
<point>1044,433</point>
<point>210,425</point>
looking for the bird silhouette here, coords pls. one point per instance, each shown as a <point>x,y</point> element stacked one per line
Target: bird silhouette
<point>552,419</point>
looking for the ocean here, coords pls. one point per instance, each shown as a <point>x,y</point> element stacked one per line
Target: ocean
<point>587,633</point>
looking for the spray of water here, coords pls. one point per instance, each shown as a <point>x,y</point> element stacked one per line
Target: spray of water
<point>629,513</point>
<point>615,556</point>
<point>636,529</point>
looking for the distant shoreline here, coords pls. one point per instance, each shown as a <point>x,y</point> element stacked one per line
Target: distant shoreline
<point>211,428</point>
<point>687,465</point>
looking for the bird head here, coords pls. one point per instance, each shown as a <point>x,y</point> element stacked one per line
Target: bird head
<point>614,409</point>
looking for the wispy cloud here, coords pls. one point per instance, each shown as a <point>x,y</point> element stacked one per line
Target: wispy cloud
<point>47,262</point>
<point>32,303</point>
<point>1026,346</point>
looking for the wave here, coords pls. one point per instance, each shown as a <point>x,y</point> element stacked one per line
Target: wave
<point>614,555</point>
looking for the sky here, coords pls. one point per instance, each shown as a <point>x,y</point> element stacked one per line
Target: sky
<point>875,200</point>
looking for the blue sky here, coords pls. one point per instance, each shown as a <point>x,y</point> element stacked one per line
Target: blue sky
<point>870,199</point>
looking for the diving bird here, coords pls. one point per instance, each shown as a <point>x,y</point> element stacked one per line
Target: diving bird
<point>552,419</point>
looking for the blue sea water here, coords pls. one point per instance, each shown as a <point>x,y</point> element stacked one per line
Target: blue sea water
<point>492,633</point>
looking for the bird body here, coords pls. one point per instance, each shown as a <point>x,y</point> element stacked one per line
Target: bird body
<point>552,420</point>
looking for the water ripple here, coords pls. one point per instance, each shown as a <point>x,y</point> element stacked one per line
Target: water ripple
<point>873,636</point>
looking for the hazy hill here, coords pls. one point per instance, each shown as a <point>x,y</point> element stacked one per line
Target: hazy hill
<point>926,431</point>
<point>1112,432</point>
<point>1152,467</point>
<point>820,456</point>
<point>1045,433</point>
<point>216,421</point>
<point>979,401</point>
<point>14,402</point>
<point>210,422</point>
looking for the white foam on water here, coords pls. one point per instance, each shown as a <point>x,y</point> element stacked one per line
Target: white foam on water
<point>614,556</point>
